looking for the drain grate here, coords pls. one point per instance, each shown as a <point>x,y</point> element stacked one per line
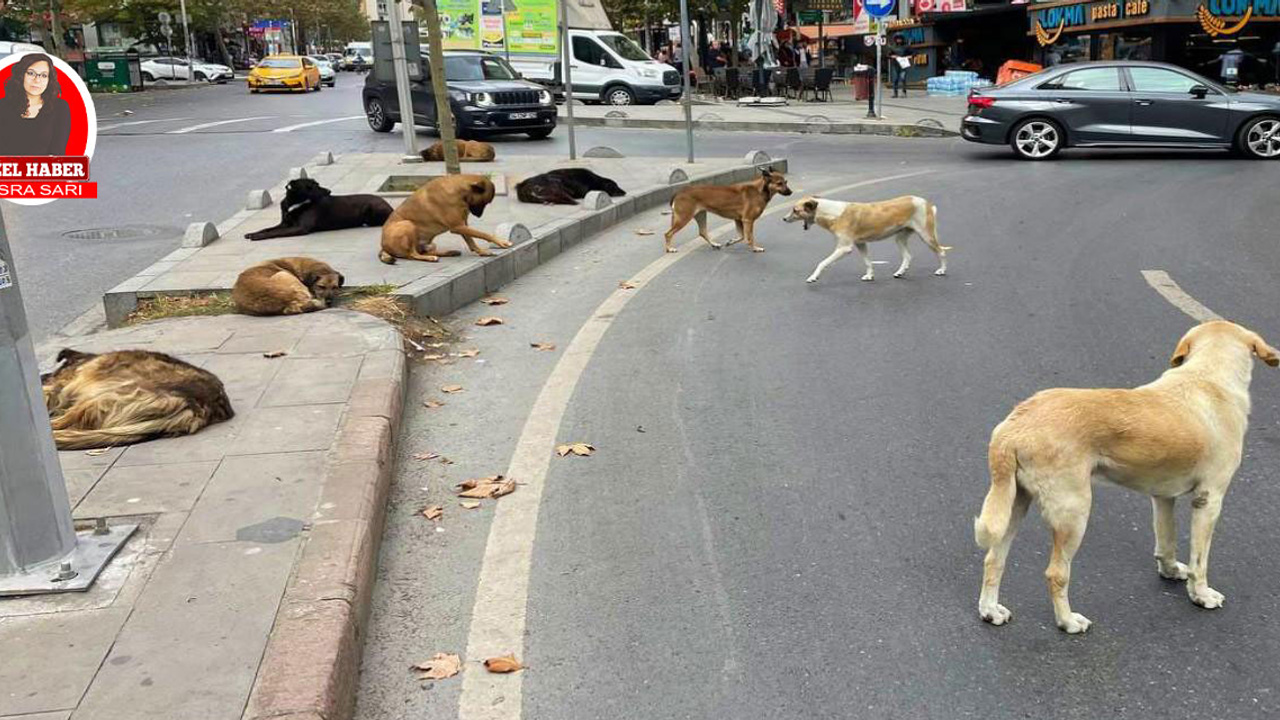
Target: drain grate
<point>124,232</point>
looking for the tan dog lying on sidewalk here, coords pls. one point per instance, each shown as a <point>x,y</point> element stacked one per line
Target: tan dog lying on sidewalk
<point>286,286</point>
<point>468,151</point>
<point>438,207</point>
<point>1181,434</point>
<point>856,224</point>
<point>742,203</point>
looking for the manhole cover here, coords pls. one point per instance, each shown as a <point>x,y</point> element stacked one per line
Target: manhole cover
<point>124,232</point>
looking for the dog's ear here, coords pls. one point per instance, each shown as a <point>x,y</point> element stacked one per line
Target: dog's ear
<point>1180,353</point>
<point>811,205</point>
<point>478,187</point>
<point>766,172</point>
<point>1265,352</point>
<point>342,279</point>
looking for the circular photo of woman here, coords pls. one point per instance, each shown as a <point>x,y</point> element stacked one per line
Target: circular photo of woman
<point>45,110</point>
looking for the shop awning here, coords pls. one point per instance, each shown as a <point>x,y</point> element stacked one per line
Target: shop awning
<point>828,31</point>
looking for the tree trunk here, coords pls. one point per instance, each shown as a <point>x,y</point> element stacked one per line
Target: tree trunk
<point>55,13</point>
<point>223,52</point>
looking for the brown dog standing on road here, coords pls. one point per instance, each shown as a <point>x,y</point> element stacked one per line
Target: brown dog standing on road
<point>468,151</point>
<point>286,286</point>
<point>1182,434</point>
<point>438,207</point>
<point>742,203</point>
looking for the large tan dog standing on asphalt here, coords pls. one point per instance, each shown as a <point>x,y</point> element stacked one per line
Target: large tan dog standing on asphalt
<point>856,224</point>
<point>1182,434</point>
<point>743,203</point>
<point>437,207</point>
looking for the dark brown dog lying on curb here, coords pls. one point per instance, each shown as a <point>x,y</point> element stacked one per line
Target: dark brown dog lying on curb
<point>565,186</point>
<point>125,397</point>
<point>307,207</point>
<point>438,207</point>
<point>286,286</point>
<point>742,203</point>
<point>468,151</point>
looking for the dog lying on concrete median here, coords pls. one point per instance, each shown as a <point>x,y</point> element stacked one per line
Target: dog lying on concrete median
<point>565,186</point>
<point>856,224</point>
<point>307,207</point>
<point>286,286</point>
<point>437,207</point>
<point>743,203</point>
<point>1182,434</point>
<point>126,397</point>
<point>468,151</point>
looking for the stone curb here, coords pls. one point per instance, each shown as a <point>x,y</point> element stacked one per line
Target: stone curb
<point>832,128</point>
<point>311,665</point>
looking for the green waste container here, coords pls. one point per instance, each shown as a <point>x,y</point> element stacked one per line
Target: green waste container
<point>113,71</point>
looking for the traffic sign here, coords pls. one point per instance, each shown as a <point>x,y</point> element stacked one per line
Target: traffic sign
<point>878,8</point>
<point>166,30</point>
<point>164,17</point>
<point>810,16</point>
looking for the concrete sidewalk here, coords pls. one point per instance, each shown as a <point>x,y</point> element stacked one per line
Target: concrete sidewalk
<point>241,594</point>
<point>918,115</point>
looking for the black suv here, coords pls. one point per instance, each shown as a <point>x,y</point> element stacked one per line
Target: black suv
<point>488,97</point>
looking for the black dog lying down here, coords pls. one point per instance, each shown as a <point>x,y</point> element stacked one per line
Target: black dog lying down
<point>565,187</point>
<point>309,208</point>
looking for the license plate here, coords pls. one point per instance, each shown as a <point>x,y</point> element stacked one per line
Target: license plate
<point>522,116</point>
<point>275,82</point>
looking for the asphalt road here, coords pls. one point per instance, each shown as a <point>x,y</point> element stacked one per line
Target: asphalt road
<point>777,522</point>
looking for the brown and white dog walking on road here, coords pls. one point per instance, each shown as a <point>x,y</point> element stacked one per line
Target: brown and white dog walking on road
<point>1182,434</point>
<point>743,203</point>
<point>856,224</point>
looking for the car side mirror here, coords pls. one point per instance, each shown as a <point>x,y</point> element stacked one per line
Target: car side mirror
<point>1199,91</point>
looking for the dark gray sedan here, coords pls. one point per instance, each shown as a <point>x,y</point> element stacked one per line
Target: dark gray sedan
<point>1122,104</point>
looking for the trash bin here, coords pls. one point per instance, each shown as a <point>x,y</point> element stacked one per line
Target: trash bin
<point>108,71</point>
<point>860,81</point>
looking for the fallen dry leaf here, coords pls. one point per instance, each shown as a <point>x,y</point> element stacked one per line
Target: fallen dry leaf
<point>494,300</point>
<point>489,320</point>
<point>666,212</point>
<point>451,389</point>
<point>432,512</point>
<point>469,353</point>
<point>426,456</point>
<point>575,448</point>
<point>445,461</point>
<point>433,404</point>
<point>504,664</point>
<point>439,667</point>
<point>434,356</point>
<point>505,488</point>
<point>274,354</point>
<point>97,451</point>
<point>469,504</point>
<point>493,486</point>
<point>543,346</point>
<point>627,285</point>
<point>643,231</point>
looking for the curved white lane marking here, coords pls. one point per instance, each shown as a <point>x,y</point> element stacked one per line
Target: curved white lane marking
<point>502,593</point>
<point>1160,281</point>
<point>291,128</point>
<point>202,126</point>
<point>104,128</point>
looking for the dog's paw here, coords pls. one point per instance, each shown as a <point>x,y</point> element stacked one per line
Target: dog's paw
<point>671,250</point>
<point>900,273</point>
<point>716,246</point>
<point>757,249</point>
<point>811,280</point>
<point>868,278</point>
<point>1074,624</point>
<point>996,614</point>
<point>939,272</point>
<point>1176,571</point>
<point>1207,598</point>
<point>483,253</point>
<point>502,243</point>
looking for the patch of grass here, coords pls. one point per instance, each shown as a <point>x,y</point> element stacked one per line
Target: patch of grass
<point>349,295</point>
<point>419,332</point>
<point>172,306</point>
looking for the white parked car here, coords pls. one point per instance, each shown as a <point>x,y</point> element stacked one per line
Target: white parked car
<point>9,48</point>
<point>173,68</point>
<point>327,74</point>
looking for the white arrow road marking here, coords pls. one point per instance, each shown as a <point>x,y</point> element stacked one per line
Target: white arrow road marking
<point>202,126</point>
<point>104,128</point>
<point>502,593</point>
<point>291,128</point>
<point>1160,281</point>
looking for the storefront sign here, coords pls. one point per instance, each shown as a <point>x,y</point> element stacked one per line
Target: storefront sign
<point>1228,17</point>
<point>1218,18</point>
<point>1049,24</point>
<point>831,5</point>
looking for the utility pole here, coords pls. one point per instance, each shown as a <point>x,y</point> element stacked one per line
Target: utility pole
<point>186,39</point>
<point>686,64</point>
<point>400,66</point>
<point>566,59</point>
<point>439,85</point>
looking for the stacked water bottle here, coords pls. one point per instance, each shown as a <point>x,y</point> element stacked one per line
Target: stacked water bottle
<point>955,82</point>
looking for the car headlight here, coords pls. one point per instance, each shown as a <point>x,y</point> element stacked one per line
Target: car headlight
<point>545,97</point>
<point>482,99</point>
<point>650,73</point>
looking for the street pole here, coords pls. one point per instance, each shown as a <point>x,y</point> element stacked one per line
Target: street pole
<point>439,85</point>
<point>186,38</point>
<point>821,41</point>
<point>686,64</point>
<point>566,56</point>
<point>879,49</point>
<point>404,94</point>
<point>506,42</point>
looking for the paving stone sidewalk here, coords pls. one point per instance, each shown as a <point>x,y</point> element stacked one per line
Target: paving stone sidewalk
<point>250,531</point>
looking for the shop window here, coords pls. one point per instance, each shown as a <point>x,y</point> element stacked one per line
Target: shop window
<point>1159,80</point>
<point>1096,79</point>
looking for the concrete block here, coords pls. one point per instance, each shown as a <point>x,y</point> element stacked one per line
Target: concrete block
<point>199,234</point>
<point>602,151</point>
<point>589,224</point>
<point>324,158</point>
<point>526,257</point>
<point>432,296</point>
<point>258,199</point>
<point>298,173</point>
<point>549,246</point>
<point>619,114</point>
<point>757,157</point>
<point>468,287</point>
<point>677,176</point>
<point>514,233</point>
<point>499,271</point>
<point>608,217</point>
<point>596,200</point>
<point>118,306</point>
<point>626,207</point>
<point>570,234</point>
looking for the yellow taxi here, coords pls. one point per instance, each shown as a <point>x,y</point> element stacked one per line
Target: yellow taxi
<point>285,72</point>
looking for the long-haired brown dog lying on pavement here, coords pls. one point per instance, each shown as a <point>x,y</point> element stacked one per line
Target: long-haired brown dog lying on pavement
<point>286,286</point>
<point>440,206</point>
<point>1182,434</point>
<point>125,397</point>
<point>468,151</point>
<point>742,203</point>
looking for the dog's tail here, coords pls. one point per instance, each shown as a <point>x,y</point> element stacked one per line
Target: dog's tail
<point>932,226</point>
<point>109,437</point>
<point>990,527</point>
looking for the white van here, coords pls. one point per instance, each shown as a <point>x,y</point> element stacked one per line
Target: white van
<point>357,56</point>
<point>609,67</point>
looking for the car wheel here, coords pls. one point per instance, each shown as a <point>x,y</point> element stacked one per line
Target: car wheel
<point>148,77</point>
<point>1260,138</point>
<point>376,114</point>
<point>539,134</point>
<point>1036,139</point>
<point>619,95</point>
<point>201,77</point>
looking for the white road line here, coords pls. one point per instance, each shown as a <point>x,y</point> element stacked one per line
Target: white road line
<point>1160,281</point>
<point>291,128</point>
<point>202,126</point>
<point>502,593</point>
<point>104,128</point>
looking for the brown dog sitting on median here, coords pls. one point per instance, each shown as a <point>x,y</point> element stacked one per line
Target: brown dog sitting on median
<point>125,397</point>
<point>286,286</point>
<point>468,151</point>
<point>440,206</point>
<point>743,203</point>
